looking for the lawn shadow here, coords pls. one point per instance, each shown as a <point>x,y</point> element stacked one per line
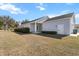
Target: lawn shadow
<point>21,33</point>
<point>56,36</point>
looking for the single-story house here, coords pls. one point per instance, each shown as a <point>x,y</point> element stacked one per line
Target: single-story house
<point>63,24</point>
<point>77,26</point>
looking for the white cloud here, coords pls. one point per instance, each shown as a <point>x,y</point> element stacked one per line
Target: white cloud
<point>40,7</point>
<point>12,9</point>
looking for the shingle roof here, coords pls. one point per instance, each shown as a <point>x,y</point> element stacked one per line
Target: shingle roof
<point>53,18</point>
<point>61,16</point>
<point>41,19</point>
<point>38,19</point>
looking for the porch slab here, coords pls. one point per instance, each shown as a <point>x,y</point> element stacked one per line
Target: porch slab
<point>74,34</point>
<point>77,33</point>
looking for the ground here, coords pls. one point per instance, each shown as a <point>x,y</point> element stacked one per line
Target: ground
<point>17,44</point>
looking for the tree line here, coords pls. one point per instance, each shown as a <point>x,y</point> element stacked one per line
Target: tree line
<point>7,23</point>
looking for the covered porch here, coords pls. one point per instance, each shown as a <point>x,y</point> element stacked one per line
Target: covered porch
<point>35,27</point>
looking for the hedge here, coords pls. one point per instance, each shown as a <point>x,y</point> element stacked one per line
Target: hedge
<point>22,30</point>
<point>49,32</point>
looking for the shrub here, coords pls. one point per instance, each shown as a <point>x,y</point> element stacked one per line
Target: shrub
<point>22,30</point>
<point>75,31</point>
<point>49,32</point>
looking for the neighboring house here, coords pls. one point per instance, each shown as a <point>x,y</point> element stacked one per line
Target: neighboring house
<point>63,24</point>
<point>77,26</point>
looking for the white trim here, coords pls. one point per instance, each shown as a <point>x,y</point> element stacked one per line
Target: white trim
<point>35,27</point>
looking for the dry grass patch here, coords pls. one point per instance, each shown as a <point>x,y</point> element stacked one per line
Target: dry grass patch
<point>32,44</point>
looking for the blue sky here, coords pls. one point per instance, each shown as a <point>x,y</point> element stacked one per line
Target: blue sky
<point>31,11</point>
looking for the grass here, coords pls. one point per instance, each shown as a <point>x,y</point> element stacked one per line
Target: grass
<point>32,44</point>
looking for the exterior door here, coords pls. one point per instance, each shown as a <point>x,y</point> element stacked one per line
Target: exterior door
<point>60,29</point>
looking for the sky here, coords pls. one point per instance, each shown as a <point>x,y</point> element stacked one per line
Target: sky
<point>31,11</point>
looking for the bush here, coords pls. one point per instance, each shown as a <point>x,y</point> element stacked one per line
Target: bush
<point>22,30</point>
<point>75,31</point>
<point>49,32</point>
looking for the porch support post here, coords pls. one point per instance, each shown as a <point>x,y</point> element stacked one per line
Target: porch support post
<point>35,27</point>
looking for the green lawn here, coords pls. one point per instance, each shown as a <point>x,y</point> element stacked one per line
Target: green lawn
<point>32,44</point>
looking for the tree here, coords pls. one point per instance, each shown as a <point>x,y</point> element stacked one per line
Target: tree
<point>5,22</point>
<point>1,24</point>
<point>8,22</point>
<point>25,21</point>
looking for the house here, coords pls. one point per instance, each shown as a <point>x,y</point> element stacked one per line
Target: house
<point>63,24</point>
<point>24,25</point>
<point>77,26</point>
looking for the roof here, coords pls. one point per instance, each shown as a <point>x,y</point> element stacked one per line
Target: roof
<point>41,19</point>
<point>61,16</point>
<point>38,19</point>
<point>46,18</point>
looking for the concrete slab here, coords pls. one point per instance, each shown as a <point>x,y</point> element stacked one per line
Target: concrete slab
<point>77,33</point>
<point>74,35</point>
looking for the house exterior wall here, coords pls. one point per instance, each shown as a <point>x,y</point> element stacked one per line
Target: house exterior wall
<point>52,25</point>
<point>32,27</point>
<point>38,22</point>
<point>72,24</point>
<point>24,25</point>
